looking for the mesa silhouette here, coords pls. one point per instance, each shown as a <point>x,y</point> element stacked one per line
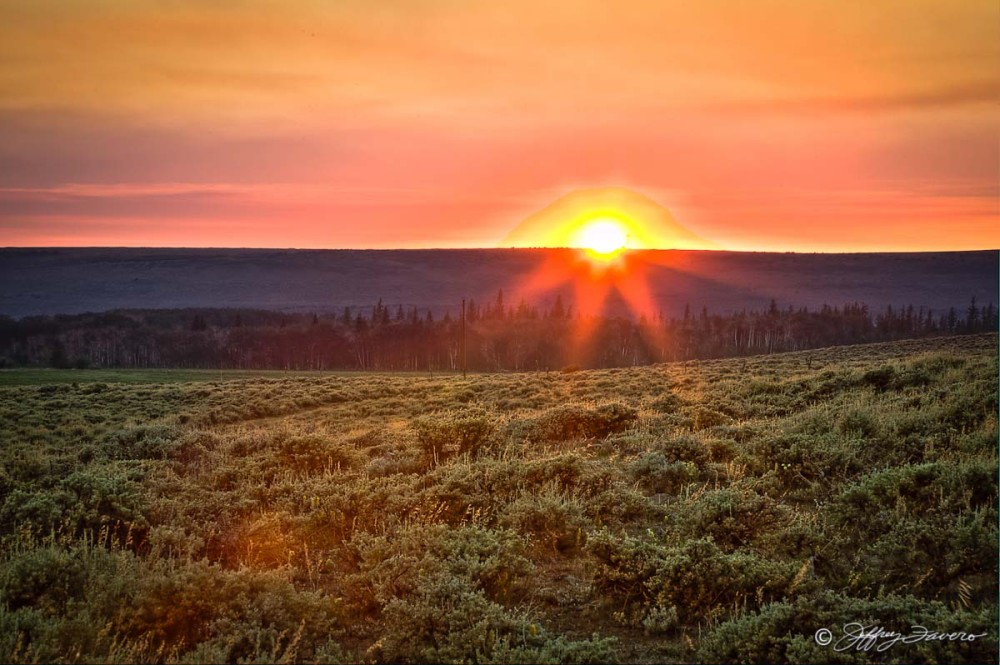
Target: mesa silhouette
<point>75,280</point>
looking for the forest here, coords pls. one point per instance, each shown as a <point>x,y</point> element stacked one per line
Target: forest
<point>492,336</point>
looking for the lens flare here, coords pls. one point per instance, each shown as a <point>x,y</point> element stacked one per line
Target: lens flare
<point>645,223</point>
<point>602,246</point>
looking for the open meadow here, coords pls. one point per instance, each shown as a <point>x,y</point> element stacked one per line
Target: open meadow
<point>706,511</point>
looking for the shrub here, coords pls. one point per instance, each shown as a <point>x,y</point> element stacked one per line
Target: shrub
<point>668,403</point>
<point>441,437</point>
<point>39,511</point>
<point>684,448</point>
<point>313,454</point>
<point>656,473</point>
<point>98,497</point>
<point>110,605</point>
<point>44,578</point>
<point>880,378</point>
<point>703,417</point>
<point>555,520</point>
<point>440,592</point>
<point>446,621</point>
<point>546,650</point>
<point>696,577</point>
<point>141,442</point>
<point>858,422</point>
<point>917,528</point>
<point>731,517</point>
<point>574,422</point>
<point>255,615</point>
<point>107,496</point>
<point>783,632</point>
<point>807,463</point>
<point>388,568</point>
<point>871,505</point>
<point>625,443</point>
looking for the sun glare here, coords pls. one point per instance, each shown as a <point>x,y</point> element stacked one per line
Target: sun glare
<point>603,238</point>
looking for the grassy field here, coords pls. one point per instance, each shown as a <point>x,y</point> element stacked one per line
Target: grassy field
<point>716,511</point>
<point>45,376</point>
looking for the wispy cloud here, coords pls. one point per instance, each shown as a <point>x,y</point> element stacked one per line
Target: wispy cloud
<point>981,93</point>
<point>355,123</point>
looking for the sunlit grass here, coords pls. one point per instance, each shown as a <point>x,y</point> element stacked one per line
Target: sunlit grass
<point>700,511</point>
<point>38,377</point>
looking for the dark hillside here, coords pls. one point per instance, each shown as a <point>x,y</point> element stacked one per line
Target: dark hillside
<point>67,281</point>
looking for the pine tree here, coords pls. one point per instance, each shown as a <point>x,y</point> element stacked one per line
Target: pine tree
<point>558,310</point>
<point>972,316</point>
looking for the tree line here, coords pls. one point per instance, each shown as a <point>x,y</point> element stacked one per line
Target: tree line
<point>493,336</point>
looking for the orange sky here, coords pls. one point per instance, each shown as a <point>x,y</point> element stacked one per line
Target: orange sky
<point>770,125</point>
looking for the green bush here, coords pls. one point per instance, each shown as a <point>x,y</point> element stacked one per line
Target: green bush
<point>140,442</point>
<point>314,454</point>
<point>922,529</point>
<point>446,621</point>
<point>552,519</point>
<point>703,417</point>
<point>110,605</point>
<point>684,448</point>
<point>869,507</point>
<point>99,497</point>
<point>696,578</point>
<point>39,511</point>
<point>107,497</point>
<point>858,422</point>
<point>255,615</point>
<point>808,464</point>
<point>44,578</point>
<point>441,436</point>
<point>618,506</point>
<point>546,650</point>
<point>731,517</point>
<point>880,378</point>
<point>574,422</point>
<point>441,593</point>
<point>489,560</point>
<point>655,472</point>
<point>784,632</point>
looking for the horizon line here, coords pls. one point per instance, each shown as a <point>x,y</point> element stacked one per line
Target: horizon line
<point>474,248</point>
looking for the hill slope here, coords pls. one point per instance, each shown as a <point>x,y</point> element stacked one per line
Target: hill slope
<point>66,281</point>
<point>719,511</point>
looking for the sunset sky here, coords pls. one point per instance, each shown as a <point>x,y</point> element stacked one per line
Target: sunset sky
<point>823,125</point>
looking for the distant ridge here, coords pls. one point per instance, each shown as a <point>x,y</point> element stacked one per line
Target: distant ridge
<point>73,280</point>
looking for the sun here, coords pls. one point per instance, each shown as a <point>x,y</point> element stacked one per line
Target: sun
<point>602,238</point>
<point>586,218</point>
